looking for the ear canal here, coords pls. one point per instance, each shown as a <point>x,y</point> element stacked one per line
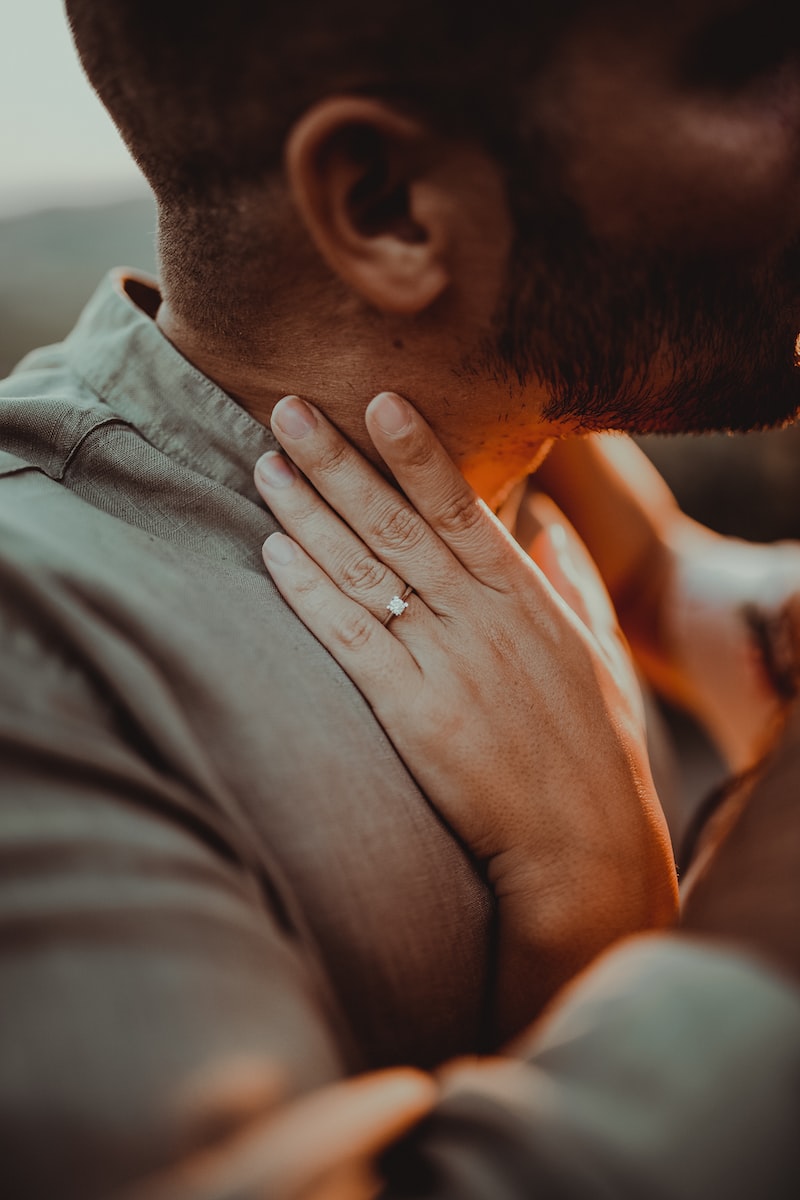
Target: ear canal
<point>377,204</point>
<point>388,212</point>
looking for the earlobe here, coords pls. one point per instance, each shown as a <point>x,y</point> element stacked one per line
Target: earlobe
<point>359,174</point>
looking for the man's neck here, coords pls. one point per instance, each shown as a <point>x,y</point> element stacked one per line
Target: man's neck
<point>340,381</point>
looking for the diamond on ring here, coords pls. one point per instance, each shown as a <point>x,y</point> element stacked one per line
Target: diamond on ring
<point>396,606</point>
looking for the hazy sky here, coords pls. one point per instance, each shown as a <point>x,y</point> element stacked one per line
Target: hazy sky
<point>57,146</point>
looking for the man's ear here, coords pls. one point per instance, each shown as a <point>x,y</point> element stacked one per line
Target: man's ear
<point>362,175</point>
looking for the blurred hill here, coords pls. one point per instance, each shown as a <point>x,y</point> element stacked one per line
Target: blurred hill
<point>51,262</point>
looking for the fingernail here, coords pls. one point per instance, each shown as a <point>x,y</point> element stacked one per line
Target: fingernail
<point>275,470</point>
<point>392,414</point>
<point>293,417</point>
<point>280,549</point>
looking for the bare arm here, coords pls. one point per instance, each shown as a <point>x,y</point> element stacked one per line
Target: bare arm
<point>703,613</point>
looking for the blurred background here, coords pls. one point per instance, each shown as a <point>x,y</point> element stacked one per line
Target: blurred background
<point>72,204</point>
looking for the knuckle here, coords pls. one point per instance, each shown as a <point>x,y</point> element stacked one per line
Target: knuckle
<point>460,512</point>
<point>353,629</point>
<point>362,573</point>
<point>305,587</point>
<point>399,528</point>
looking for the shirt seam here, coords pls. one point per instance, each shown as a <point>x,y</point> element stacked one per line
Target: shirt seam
<point>106,421</point>
<point>174,455</point>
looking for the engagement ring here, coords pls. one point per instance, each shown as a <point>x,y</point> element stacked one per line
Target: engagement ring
<point>397,605</point>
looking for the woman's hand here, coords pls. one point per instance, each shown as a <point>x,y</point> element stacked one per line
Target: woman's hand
<point>518,715</point>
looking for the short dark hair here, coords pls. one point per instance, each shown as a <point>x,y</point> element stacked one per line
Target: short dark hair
<point>204,93</point>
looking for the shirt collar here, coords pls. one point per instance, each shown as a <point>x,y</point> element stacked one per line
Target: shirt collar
<point>120,353</point>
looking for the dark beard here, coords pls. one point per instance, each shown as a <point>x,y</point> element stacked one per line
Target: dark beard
<point>586,320</point>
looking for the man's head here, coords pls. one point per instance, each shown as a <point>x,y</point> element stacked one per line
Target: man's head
<point>554,215</point>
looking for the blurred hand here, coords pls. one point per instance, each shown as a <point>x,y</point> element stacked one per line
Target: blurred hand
<point>516,710</point>
<point>727,652</point>
<point>320,1147</point>
<point>702,612</point>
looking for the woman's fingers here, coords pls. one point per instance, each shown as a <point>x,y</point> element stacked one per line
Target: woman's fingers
<point>308,519</point>
<point>436,487</point>
<point>416,544</point>
<point>383,519</point>
<point>361,645</point>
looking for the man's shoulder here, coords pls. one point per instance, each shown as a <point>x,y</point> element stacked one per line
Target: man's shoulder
<point>46,410</point>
